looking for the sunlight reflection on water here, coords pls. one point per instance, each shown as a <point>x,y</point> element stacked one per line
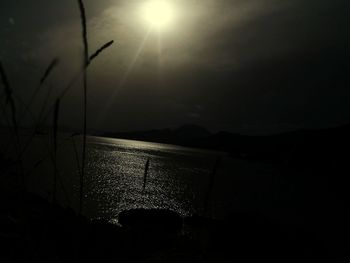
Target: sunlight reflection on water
<point>177,177</point>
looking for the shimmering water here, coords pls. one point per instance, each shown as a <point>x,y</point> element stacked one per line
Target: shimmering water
<point>178,177</point>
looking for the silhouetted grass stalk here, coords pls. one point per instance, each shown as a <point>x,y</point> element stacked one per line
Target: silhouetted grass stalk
<point>13,135</point>
<point>86,62</point>
<point>53,64</point>
<point>8,124</point>
<point>145,174</point>
<point>38,122</point>
<point>75,79</point>
<point>4,114</point>
<point>76,154</point>
<point>100,50</point>
<point>9,100</point>
<point>8,95</point>
<point>42,118</point>
<point>55,129</point>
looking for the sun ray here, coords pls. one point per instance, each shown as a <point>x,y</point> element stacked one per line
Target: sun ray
<point>124,79</point>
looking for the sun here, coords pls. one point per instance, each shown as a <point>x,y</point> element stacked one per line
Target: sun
<point>158,14</point>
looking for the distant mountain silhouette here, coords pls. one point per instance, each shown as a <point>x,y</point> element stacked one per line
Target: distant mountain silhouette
<point>182,136</point>
<point>301,144</point>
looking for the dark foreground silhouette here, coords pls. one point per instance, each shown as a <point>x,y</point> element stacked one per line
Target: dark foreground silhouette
<point>34,230</point>
<point>297,213</point>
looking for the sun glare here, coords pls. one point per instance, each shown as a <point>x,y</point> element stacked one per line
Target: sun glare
<point>158,14</point>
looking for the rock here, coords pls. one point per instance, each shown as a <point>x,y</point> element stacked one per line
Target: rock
<point>156,220</point>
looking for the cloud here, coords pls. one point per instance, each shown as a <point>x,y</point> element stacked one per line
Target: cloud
<point>244,32</point>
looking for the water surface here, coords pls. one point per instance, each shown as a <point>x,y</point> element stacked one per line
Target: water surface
<point>178,177</point>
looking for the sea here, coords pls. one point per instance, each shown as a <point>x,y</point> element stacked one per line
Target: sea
<point>186,180</point>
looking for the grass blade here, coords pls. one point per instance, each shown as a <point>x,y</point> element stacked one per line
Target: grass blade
<point>101,49</point>
<point>5,82</point>
<point>42,117</point>
<point>55,129</point>
<point>84,31</point>
<point>86,62</point>
<point>9,100</point>
<point>54,63</point>
<point>145,174</point>
<point>76,77</point>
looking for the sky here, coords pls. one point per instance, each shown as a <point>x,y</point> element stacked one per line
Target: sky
<point>247,66</point>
